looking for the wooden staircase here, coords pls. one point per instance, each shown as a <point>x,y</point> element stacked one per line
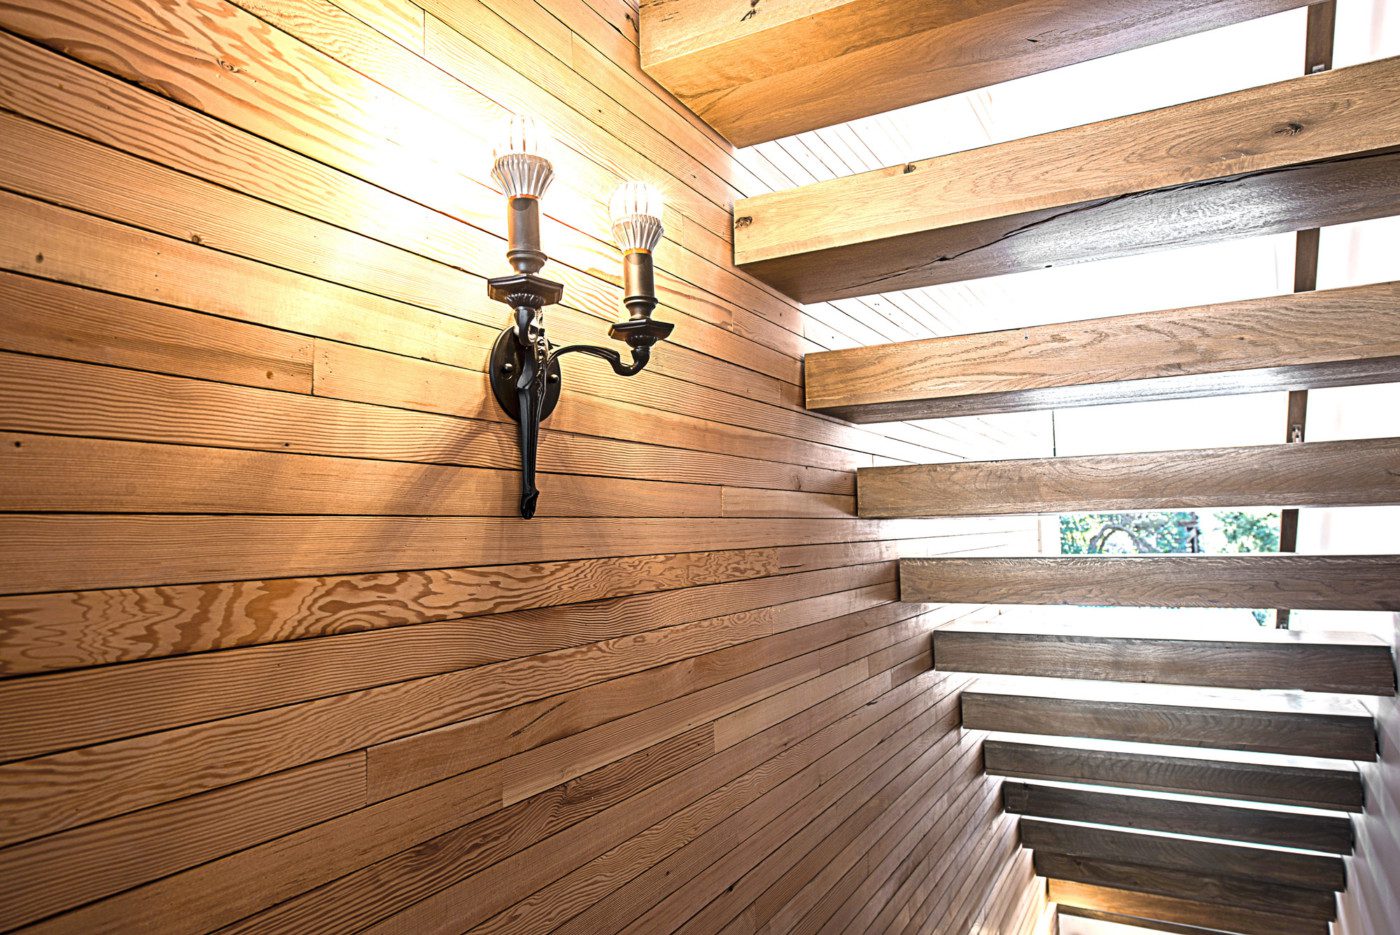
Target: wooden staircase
<point>1185,780</point>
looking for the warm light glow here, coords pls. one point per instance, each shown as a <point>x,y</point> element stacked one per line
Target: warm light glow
<point>522,166</point>
<point>635,209</point>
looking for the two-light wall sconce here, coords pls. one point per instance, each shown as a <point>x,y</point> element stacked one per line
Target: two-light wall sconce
<point>524,366</point>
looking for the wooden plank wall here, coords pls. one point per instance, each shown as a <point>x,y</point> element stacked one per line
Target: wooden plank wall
<point>274,653</point>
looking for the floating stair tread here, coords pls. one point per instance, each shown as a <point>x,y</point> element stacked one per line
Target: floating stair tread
<point>1270,722</point>
<point>1325,872</point>
<point>1304,829</point>
<point>1267,658</point>
<point>1304,340</point>
<point>1334,582</point>
<point>1149,907</point>
<point>1364,472</point>
<point>1272,778</point>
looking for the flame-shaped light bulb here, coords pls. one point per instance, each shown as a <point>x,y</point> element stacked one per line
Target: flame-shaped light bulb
<point>522,166</point>
<point>635,209</point>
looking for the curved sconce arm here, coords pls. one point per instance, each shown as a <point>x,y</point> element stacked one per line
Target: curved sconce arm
<point>524,367</point>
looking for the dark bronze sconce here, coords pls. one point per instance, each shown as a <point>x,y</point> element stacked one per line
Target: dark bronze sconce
<point>524,367</point>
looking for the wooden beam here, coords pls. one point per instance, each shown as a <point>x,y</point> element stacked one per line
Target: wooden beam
<point>1329,834</point>
<point>1316,339</point>
<point>1258,864</point>
<point>758,72</point>
<point>1216,890</point>
<point>1307,152</point>
<point>1345,473</point>
<point>1290,723</point>
<point>1211,917</point>
<point>1358,663</point>
<point>1336,582</point>
<point>1220,776</point>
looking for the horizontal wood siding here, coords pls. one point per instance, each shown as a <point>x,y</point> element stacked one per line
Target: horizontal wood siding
<point>276,654</point>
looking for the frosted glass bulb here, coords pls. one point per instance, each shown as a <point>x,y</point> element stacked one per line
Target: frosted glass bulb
<point>635,209</point>
<point>522,167</point>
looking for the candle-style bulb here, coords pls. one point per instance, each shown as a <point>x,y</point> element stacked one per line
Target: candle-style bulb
<point>522,166</point>
<point>635,209</point>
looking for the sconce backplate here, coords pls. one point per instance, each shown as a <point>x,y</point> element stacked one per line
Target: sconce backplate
<point>506,357</point>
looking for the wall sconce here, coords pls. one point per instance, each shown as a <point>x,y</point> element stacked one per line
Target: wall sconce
<point>524,367</point>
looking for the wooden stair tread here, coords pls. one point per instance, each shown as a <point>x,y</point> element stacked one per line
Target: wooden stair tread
<point>1197,172</point>
<point>1343,473</point>
<point>1206,888</point>
<point>1310,830</point>
<point>1333,582</point>
<point>760,77</point>
<point>1129,905</point>
<point>1325,872</point>
<point>1270,722</point>
<point>1265,658</point>
<point>1271,778</point>
<point>1330,337</point>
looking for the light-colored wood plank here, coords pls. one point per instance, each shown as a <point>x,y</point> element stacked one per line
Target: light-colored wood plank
<point>1258,864</point>
<point>1355,663</point>
<point>1280,157</point>
<point>1291,723</point>
<point>1314,831</point>
<point>1345,473</point>
<point>1209,917</point>
<point>1285,783</point>
<point>760,72</point>
<point>1334,582</point>
<point>1314,339</point>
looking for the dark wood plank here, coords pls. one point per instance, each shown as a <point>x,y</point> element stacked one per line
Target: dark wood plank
<point>1357,663</point>
<point>1336,582</point>
<point>1210,917</point>
<point>757,73</point>
<point>1216,890</point>
<point>1313,339</point>
<point>1098,915</point>
<point>1285,783</point>
<point>1257,864</point>
<point>1330,834</point>
<point>1283,157</point>
<point>1291,723</point>
<point>1343,473</point>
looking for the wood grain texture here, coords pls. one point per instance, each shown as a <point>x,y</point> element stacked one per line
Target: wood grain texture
<point>1257,864</point>
<point>1345,473</point>
<point>1329,834</point>
<point>274,654</point>
<point>757,73</point>
<point>1030,203</point>
<point>1355,663</point>
<point>1359,582</point>
<point>1314,339</point>
<point>1290,723</point>
<point>1225,891</point>
<point>1144,906</point>
<point>1283,783</point>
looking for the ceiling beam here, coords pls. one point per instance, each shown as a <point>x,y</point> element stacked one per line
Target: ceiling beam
<point>1300,582</point>
<point>1307,152</point>
<point>1361,472</point>
<point>1307,340</point>
<point>757,71</point>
